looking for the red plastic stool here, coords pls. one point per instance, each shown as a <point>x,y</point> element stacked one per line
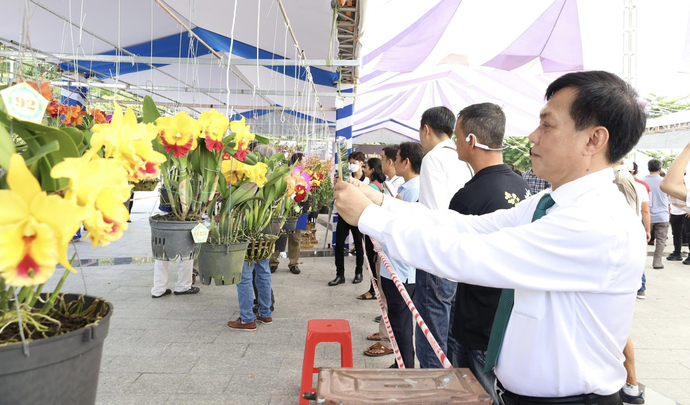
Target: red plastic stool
<point>318,331</point>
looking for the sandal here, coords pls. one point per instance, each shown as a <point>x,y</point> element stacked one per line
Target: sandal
<point>377,350</point>
<point>375,337</point>
<point>364,296</point>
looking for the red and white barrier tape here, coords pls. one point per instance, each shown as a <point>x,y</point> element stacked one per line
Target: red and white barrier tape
<point>384,311</point>
<point>418,318</point>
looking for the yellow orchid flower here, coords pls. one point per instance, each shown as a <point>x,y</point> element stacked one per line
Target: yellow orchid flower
<point>233,170</point>
<point>214,126</point>
<point>129,141</point>
<point>101,185</point>
<point>178,134</point>
<point>241,132</point>
<point>257,174</point>
<point>35,228</point>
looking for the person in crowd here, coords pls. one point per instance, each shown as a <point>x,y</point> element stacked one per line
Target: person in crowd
<point>674,185</point>
<point>255,282</point>
<point>407,164</point>
<point>659,211</point>
<point>374,172</point>
<point>479,130</point>
<point>536,183</point>
<point>441,176</point>
<point>676,222</point>
<point>342,229</point>
<point>294,239</point>
<point>573,255</point>
<point>393,182</point>
<point>185,268</point>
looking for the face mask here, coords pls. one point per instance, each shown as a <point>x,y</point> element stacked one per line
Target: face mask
<point>354,167</point>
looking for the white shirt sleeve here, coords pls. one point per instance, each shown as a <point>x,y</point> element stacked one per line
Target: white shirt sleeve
<point>547,255</point>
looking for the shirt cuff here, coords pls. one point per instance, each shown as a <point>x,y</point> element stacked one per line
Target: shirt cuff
<point>373,220</point>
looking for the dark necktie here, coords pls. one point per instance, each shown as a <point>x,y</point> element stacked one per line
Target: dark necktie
<point>505,304</point>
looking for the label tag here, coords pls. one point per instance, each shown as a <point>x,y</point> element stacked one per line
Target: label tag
<point>24,103</point>
<point>200,233</point>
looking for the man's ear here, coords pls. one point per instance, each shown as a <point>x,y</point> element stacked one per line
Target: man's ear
<point>597,141</point>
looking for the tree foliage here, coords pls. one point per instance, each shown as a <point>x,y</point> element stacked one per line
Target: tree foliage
<point>661,105</point>
<point>516,152</point>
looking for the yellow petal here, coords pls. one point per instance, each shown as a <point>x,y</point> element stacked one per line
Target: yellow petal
<point>39,255</point>
<point>13,208</point>
<point>21,181</point>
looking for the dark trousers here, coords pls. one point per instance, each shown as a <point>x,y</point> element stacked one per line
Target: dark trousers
<point>686,230</point>
<point>677,230</point>
<point>371,257</point>
<point>400,318</point>
<point>341,231</point>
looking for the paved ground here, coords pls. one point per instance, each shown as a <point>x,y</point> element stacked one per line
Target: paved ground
<point>178,350</point>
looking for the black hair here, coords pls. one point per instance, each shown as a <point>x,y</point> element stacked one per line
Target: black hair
<point>486,121</point>
<point>296,157</point>
<point>391,152</point>
<point>441,120</point>
<point>377,175</point>
<point>607,100</point>
<point>654,165</point>
<point>359,156</point>
<point>414,152</point>
<point>634,170</point>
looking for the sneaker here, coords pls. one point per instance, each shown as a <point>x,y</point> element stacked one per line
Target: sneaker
<point>192,290</point>
<point>687,261</point>
<point>294,269</point>
<point>674,257</point>
<point>377,319</point>
<point>631,399</point>
<point>640,295</point>
<point>266,321</point>
<point>249,327</point>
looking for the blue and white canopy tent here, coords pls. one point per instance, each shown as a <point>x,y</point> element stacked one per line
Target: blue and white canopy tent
<point>277,61</point>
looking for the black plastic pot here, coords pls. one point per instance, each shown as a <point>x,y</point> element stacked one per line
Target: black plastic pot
<point>324,210</point>
<point>273,227</point>
<point>290,225</point>
<point>172,239</point>
<point>59,370</point>
<point>281,243</point>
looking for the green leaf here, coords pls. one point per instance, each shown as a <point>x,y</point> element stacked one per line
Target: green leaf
<point>6,147</point>
<point>149,110</point>
<point>78,136</point>
<point>261,139</point>
<point>50,147</point>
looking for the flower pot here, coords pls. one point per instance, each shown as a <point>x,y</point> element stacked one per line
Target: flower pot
<point>59,370</point>
<point>290,225</point>
<point>281,243</point>
<point>221,263</point>
<point>173,239</point>
<point>260,249</point>
<point>313,216</point>
<point>324,210</point>
<point>273,228</point>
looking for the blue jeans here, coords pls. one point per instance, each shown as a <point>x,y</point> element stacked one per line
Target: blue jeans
<point>245,291</point>
<point>644,283</point>
<point>434,298</point>
<point>475,360</point>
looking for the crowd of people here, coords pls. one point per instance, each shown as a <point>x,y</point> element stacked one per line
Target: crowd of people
<point>529,281</point>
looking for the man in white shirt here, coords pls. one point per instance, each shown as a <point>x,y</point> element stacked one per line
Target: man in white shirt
<point>575,270</point>
<point>442,175</point>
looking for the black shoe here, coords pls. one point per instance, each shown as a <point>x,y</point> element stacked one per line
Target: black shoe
<point>674,257</point>
<point>394,365</point>
<point>294,269</point>
<point>377,319</point>
<point>337,280</point>
<point>274,268</point>
<point>166,292</point>
<point>357,279</point>
<point>687,261</point>
<point>192,290</point>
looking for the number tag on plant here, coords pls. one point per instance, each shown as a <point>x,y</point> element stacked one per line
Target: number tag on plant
<point>24,103</point>
<point>200,233</point>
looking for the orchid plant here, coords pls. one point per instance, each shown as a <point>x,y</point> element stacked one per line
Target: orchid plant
<point>59,180</point>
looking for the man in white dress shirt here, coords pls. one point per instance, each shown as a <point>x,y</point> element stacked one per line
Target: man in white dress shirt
<point>442,175</point>
<point>575,271</point>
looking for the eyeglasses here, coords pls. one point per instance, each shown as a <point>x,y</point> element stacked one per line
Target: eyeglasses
<point>478,144</point>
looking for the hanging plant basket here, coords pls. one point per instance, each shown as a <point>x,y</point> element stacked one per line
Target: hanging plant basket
<point>290,225</point>
<point>173,239</point>
<point>261,249</point>
<point>221,263</point>
<point>61,369</point>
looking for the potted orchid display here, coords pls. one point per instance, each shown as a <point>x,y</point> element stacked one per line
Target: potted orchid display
<point>59,176</point>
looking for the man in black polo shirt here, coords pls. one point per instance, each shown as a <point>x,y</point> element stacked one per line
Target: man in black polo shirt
<point>479,130</point>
